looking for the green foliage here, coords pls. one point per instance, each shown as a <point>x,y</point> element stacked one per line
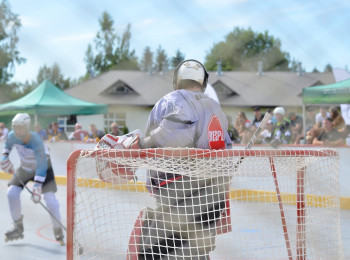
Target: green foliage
<point>125,130</point>
<point>112,51</point>
<point>328,68</point>
<point>242,49</point>
<point>177,59</point>
<point>146,63</point>
<point>53,74</point>
<point>161,59</point>
<point>9,55</point>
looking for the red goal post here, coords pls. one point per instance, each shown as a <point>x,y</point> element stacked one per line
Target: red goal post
<point>284,204</point>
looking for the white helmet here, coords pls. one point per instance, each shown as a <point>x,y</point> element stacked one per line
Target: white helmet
<point>193,70</point>
<point>21,119</point>
<point>279,110</point>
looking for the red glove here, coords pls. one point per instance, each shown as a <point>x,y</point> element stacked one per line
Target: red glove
<point>128,141</point>
<point>7,165</point>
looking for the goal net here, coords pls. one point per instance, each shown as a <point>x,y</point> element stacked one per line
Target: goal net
<point>203,204</point>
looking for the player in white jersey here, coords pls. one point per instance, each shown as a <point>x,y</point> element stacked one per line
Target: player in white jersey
<point>184,223</point>
<point>35,166</point>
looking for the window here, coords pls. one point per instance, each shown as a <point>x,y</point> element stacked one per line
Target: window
<point>119,118</point>
<point>120,88</point>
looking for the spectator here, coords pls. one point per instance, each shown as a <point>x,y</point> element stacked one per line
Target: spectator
<point>94,135</point>
<point>56,134</point>
<point>296,123</point>
<point>243,125</point>
<point>258,116</point>
<point>41,132</point>
<point>273,118</point>
<point>310,117</point>
<point>79,134</point>
<point>232,131</point>
<point>115,130</point>
<point>321,116</point>
<point>329,135</point>
<point>282,133</point>
<point>312,134</point>
<point>3,131</point>
<point>338,121</point>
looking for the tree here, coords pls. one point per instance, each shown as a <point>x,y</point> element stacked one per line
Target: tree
<point>9,55</point>
<point>328,68</point>
<point>177,59</point>
<point>146,63</point>
<point>112,51</point>
<point>243,49</point>
<point>52,73</point>
<point>161,59</point>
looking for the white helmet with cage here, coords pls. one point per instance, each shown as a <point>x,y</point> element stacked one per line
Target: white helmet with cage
<point>191,70</point>
<point>21,119</point>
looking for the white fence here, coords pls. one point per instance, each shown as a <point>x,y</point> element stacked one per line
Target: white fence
<point>60,152</point>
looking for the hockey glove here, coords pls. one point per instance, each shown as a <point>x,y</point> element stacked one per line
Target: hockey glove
<point>36,192</point>
<point>128,141</point>
<point>6,165</point>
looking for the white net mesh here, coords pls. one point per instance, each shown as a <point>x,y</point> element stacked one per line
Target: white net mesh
<point>231,204</point>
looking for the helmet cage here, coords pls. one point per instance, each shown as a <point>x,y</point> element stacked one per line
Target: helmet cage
<point>177,78</point>
<point>21,120</point>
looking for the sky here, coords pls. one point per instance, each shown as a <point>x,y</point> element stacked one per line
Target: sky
<point>315,32</point>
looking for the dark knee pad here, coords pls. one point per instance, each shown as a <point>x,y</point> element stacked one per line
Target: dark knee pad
<point>211,216</point>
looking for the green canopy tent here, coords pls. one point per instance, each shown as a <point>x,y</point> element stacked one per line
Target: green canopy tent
<point>47,99</point>
<point>336,93</point>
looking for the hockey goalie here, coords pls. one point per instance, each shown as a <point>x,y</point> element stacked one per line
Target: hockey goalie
<point>190,211</point>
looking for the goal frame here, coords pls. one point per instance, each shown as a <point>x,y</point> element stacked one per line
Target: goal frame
<point>204,153</point>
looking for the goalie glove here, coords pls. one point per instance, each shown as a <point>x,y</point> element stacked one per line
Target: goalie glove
<point>110,171</point>
<point>6,165</point>
<point>128,141</point>
<point>36,192</point>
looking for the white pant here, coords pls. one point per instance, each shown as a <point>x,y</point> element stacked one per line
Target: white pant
<point>14,200</point>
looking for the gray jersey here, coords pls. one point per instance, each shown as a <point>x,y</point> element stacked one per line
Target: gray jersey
<point>187,208</point>
<point>184,118</point>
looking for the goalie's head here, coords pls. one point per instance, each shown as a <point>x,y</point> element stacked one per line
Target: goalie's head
<point>21,125</point>
<point>190,70</point>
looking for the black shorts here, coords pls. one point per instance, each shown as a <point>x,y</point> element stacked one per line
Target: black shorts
<point>48,185</point>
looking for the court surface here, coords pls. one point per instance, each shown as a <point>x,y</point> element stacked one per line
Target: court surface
<point>39,243</point>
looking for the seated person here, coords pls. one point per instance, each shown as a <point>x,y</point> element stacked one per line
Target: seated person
<point>56,134</point>
<point>79,134</point>
<point>338,121</point>
<point>3,131</point>
<point>296,123</point>
<point>321,116</point>
<point>115,130</point>
<point>94,135</point>
<point>243,125</point>
<point>258,116</point>
<point>329,136</point>
<point>41,132</point>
